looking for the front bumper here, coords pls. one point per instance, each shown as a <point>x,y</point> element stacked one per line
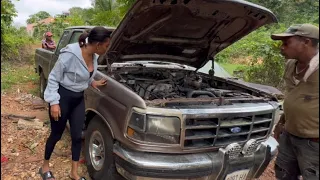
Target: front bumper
<point>135,165</point>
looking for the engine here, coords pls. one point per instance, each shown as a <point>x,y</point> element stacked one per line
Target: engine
<point>151,84</point>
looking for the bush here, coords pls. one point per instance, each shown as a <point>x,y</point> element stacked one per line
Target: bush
<point>15,45</point>
<point>265,63</point>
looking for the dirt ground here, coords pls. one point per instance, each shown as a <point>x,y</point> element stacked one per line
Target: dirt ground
<point>24,148</point>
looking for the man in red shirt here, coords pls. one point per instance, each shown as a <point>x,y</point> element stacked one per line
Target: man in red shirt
<point>48,43</point>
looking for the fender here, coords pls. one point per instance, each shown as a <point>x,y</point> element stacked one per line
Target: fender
<point>103,119</point>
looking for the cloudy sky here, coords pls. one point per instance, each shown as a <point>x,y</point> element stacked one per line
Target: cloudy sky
<point>26,8</point>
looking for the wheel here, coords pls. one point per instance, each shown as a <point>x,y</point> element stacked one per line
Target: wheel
<point>42,84</point>
<point>99,151</point>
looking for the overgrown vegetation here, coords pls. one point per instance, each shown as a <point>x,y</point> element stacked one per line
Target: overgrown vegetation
<point>262,56</point>
<point>12,75</point>
<point>257,54</point>
<point>14,42</point>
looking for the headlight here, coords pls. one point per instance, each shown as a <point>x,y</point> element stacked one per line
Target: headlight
<point>156,129</point>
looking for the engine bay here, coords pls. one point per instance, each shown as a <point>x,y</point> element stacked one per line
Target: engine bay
<point>154,84</point>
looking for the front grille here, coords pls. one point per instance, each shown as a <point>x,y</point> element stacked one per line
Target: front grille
<point>224,129</point>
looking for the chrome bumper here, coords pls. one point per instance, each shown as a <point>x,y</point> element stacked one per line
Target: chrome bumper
<point>135,165</point>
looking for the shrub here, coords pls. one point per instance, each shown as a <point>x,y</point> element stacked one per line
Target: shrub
<point>15,45</point>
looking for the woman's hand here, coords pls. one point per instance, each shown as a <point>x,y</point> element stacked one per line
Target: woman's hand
<point>96,84</point>
<point>55,112</point>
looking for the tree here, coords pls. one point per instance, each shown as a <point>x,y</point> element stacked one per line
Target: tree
<point>306,10</point>
<point>7,13</point>
<point>125,5</point>
<point>103,5</point>
<point>104,12</point>
<point>77,16</point>
<point>37,17</point>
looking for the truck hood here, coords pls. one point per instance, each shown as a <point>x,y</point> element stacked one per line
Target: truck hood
<point>188,32</point>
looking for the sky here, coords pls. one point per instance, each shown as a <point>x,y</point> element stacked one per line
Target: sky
<point>25,8</point>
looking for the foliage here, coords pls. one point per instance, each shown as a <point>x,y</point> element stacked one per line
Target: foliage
<point>103,5</point>
<point>15,45</point>
<point>11,74</point>
<point>266,65</point>
<point>106,18</point>
<point>37,17</point>
<point>125,5</point>
<point>7,13</point>
<point>306,10</point>
<point>262,62</point>
<point>105,13</point>
<point>77,16</point>
<point>13,41</point>
<point>269,71</point>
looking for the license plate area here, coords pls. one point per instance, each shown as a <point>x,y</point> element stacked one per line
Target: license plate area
<point>238,175</point>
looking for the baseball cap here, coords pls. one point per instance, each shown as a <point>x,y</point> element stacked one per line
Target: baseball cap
<point>48,33</point>
<point>304,30</point>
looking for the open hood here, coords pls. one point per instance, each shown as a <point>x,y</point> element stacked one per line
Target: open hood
<point>188,32</point>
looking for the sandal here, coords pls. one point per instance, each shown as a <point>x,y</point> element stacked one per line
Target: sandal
<point>82,178</point>
<point>47,175</point>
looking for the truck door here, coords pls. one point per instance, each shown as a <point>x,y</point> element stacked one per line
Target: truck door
<point>64,41</point>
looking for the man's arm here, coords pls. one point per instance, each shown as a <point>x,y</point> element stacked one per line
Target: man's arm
<point>52,46</point>
<point>44,45</point>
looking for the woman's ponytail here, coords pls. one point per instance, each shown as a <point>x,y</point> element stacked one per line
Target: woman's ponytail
<point>97,34</point>
<point>82,39</point>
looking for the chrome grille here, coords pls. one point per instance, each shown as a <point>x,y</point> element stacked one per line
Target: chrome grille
<point>222,130</point>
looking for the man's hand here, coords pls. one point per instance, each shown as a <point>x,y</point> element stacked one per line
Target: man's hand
<point>55,112</point>
<point>96,84</point>
<point>278,131</point>
<point>279,127</point>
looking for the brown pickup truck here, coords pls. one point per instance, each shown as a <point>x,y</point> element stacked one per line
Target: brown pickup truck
<point>162,116</point>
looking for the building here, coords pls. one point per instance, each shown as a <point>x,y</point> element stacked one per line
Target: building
<point>30,27</point>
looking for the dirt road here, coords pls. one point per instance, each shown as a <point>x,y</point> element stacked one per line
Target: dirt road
<point>24,148</point>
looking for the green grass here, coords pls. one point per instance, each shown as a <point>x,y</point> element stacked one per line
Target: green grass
<point>15,74</point>
<point>231,67</point>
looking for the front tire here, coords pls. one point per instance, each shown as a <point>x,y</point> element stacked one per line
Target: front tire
<point>99,151</point>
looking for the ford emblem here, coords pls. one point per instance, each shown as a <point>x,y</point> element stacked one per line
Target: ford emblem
<point>235,129</point>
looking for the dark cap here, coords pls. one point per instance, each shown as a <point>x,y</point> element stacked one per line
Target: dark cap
<point>304,30</point>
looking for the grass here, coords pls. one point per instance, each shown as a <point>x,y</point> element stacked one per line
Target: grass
<point>231,67</point>
<point>16,74</point>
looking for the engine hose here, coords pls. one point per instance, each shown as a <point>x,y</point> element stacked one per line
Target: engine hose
<point>197,92</point>
<point>149,89</point>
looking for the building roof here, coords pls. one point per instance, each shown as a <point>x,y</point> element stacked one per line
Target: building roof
<point>43,21</point>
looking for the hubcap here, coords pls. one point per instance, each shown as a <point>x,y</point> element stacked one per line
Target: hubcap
<point>96,150</point>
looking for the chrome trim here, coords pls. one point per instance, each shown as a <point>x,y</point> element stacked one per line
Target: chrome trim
<point>130,176</point>
<point>218,161</point>
<point>254,122</point>
<point>250,147</point>
<point>233,150</point>
<point>96,150</point>
<point>273,143</point>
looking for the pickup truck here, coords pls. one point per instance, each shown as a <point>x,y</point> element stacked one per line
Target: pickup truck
<point>162,116</point>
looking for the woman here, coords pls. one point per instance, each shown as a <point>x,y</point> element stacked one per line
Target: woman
<point>71,75</point>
